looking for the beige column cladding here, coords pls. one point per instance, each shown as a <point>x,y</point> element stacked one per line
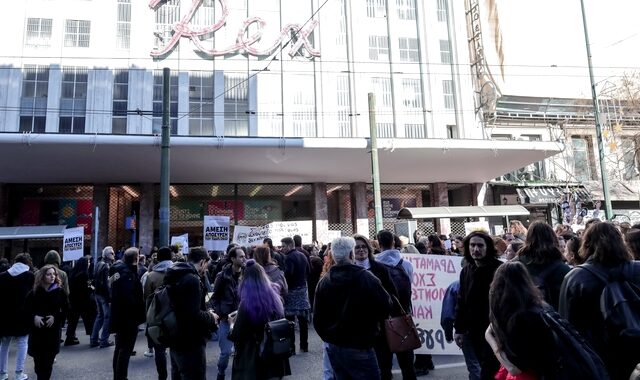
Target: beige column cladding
<point>440,197</point>
<point>145,219</point>
<point>360,208</point>
<point>321,218</point>
<point>101,201</point>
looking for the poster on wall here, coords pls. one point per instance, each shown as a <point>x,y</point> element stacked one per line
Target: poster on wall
<point>216,232</point>
<point>432,275</point>
<point>73,244</point>
<point>232,209</point>
<point>182,241</point>
<point>185,211</point>
<point>391,206</point>
<point>263,210</point>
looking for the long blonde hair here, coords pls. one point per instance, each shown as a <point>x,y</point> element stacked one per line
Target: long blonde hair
<point>39,280</point>
<point>328,262</point>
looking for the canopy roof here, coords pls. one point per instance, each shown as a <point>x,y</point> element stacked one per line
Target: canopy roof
<point>460,212</point>
<point>31,232</point>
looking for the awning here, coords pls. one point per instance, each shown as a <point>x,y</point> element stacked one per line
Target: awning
<point>618,191</point>
<point>31,232</point>
<point>552,194</point>
<point>460,212</point>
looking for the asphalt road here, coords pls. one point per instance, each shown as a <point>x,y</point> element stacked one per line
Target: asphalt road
<point>82,362</point>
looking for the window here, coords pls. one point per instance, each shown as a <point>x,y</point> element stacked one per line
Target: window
<point>414,131</point>
<point>167,15</point>
<point>378,48</point>
<point>344,127</point>
<point>385,130</point>
<point>406,9</point>
<point>204,16</point>
<point>73,101</point>
<point>376,8</point>
<point>33,103</point>
<point>38,32</point>
<point>629,159</point>
<point>412,93</point>
<point>382,90</point>
<point>442,10</point>
<point>583,159</point>
<point>120,97</point>
<point>236,106</point>
<point>341,38</point>
<point>123,26</point>
<point>452,132</point>
<point>77,33</point>
<point>534,171</point>
<point>157,102</point>
<point>409,49</point>
<point>445,51</point>
<point>447,92</point>
<point>303,107</point>
<point>201,104</point>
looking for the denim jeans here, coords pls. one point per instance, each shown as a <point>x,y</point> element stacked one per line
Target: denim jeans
<point>473,366</point>
<point>353,363</point>
<point>327,371</point>
<point>226,346</point>
<point>21,352</point>
<point>102,321</point>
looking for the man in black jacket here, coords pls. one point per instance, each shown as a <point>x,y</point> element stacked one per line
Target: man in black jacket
<point>195,322</point>
<point>296,302</point>
<point>127,310</point>
<point>472,309</point>
<point>224,300</point>
<point>350,306</point>
<point>103,299</point>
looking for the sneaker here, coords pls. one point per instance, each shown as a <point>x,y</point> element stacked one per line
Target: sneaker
<point>21,376</point>
<point>71,342</point>
<point>4,376</point>
<point>148,353</point>
<point>108,344</point>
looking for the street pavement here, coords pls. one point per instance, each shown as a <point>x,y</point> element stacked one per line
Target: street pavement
<point>82,362</point>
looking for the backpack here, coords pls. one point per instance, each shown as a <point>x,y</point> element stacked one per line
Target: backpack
<point>278,341</point>
<point>575,359</point>
<point>619,305</point>
<point>162,326</point>
<point>402,282</point>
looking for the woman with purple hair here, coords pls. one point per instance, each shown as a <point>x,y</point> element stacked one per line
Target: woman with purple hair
<point>260,303</point>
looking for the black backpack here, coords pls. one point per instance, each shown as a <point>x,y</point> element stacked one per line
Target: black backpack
<point>575,359</point>
<point>278,341</point>
<point>162,326</point>
<point>401,280</point>
<point>619,305</point>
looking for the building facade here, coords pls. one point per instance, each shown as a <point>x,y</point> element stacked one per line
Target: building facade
<point>269,114</point>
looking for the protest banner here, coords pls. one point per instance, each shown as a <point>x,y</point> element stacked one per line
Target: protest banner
<point>73,247</point>
<point>216,233</point>
<point>250,236</point>
<point>470,227</point>
<point>432,274</point>
<point>182,242</point>
<point>280,230</point>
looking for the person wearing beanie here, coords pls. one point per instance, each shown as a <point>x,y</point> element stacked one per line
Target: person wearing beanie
<point>53,258</point>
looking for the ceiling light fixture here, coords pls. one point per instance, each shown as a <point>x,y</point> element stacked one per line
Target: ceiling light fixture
<point>255,191</point>
<point>293,191</point>
<point>173,191</point>
<point>130,191</point>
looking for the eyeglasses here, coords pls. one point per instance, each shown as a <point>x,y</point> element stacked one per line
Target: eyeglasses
<point>361,247</point>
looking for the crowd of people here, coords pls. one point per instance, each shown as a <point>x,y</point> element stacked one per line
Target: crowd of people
<point>495,313</point>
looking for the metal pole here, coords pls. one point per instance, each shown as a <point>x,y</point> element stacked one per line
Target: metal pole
<point>375,170</point>
<point>164,158</point>
<point>96,230</point>
<point>608,211</point>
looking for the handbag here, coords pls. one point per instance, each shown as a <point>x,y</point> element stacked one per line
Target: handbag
<point>401,332</point>
<point>278,340</point>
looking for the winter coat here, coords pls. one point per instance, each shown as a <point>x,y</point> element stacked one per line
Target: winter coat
<point>472,309</point>
<point>247,363</point>
<point>187,294</point>
<point>100,279</point>
<point>53,258</point>
<point>276,275</point>
<point>225,298</point>
<point>296,269</point>
<point>350,305</point>
<point>553,280</point>
<point>382,273</point>
<point>46,340</point>
<point>155,279</point>
<point>127,304</point>
<point>392,257</point>
<point>580,305</point>
<point>79,292</point>
<point>15,284</point>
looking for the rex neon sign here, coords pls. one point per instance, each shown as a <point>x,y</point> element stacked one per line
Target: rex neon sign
<point>245,42</point>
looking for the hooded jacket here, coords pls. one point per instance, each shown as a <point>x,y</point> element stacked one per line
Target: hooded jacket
<point>392,257</point>
<point>187,295</point>
<point>15,284</point>
<point>53,258</point>
<point>154,280</point>
<point>350,305</point>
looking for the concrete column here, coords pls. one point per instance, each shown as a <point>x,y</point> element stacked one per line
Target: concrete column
<point>101,201</point>
<point>440,197</point>
<point>4,204</point>
<point>321,214</point>
<point>360,208</point>
<point>145,219</point>
<point>478,191</point>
